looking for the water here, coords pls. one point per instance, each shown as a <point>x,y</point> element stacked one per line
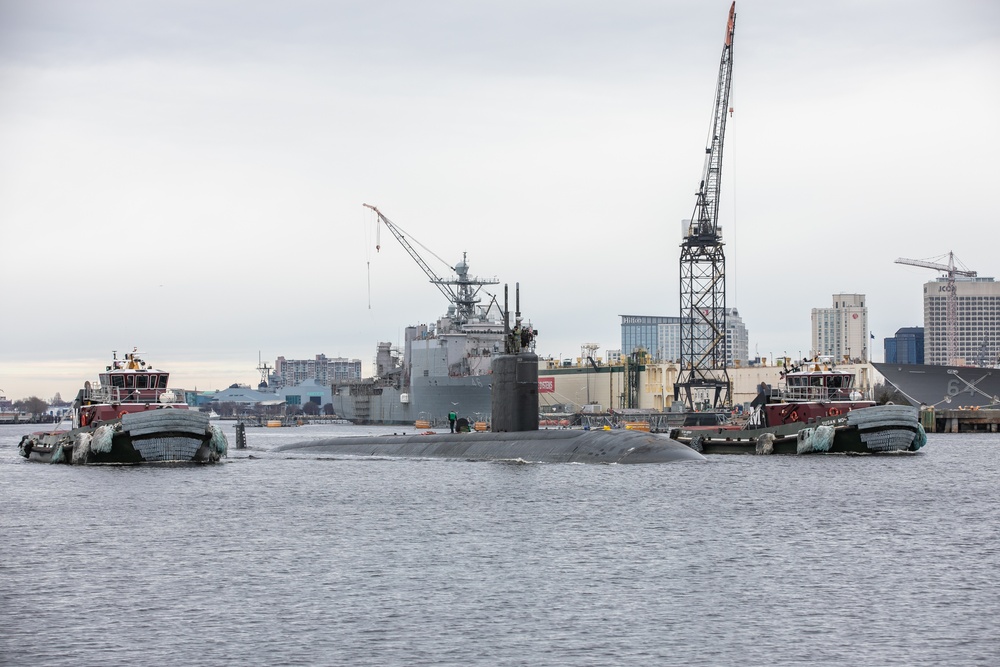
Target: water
<point>300,560</point>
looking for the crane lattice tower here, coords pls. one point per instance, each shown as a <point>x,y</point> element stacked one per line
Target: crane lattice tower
<point>703,263</point>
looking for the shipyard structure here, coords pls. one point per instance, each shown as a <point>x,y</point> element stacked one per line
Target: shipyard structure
<point>418,387</point>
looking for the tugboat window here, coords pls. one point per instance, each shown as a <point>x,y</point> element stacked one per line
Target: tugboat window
<point>163,382</point>
<point>129,381</point>
<point>117,381</point>
<point>141,381</point>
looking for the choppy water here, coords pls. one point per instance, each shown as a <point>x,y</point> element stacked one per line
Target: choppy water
<point>292,560</point>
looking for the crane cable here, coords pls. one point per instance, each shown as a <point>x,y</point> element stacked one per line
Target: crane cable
<point>368,261</point>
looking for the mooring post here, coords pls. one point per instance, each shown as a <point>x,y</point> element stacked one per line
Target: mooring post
<point>241,435</point>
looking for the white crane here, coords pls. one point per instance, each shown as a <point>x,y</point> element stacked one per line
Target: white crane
<point>465,298</point>
<point>951,318</point>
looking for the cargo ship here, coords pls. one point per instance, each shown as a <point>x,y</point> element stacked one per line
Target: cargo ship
<point>944,387</point>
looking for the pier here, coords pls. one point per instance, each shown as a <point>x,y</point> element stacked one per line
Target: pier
<point>960,420</point>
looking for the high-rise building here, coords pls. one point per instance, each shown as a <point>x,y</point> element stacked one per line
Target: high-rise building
<point>661,337</point>
<point>977,331</point>
<point>841,332</point>
<point>906,347</point>
<point>290,372</point>
<point>737,339</point>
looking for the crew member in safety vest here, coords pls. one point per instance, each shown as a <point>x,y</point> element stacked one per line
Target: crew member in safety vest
<point>451,420</point>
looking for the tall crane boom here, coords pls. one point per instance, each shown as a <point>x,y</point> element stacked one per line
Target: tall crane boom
<point>950,269</point>
<point>705,219</point>
<point>951,315</point>
<point>466,298</point>
<point>703,263</point>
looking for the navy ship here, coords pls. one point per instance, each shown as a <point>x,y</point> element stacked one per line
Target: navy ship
<point>944,387</point>
<point>444,367</point>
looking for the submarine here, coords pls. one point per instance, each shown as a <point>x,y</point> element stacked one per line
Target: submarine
<point>514,434</point>
<point>564,446</point>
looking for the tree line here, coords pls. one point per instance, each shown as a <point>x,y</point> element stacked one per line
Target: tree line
<point>34,405</point>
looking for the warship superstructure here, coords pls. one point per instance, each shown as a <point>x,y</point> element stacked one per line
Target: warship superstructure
<point>444,367</point>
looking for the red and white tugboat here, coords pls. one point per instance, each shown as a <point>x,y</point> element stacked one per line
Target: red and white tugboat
<point>819,409</point>
<point>129,417</point>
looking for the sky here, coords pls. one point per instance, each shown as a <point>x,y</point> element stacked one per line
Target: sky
<point>188,177</point>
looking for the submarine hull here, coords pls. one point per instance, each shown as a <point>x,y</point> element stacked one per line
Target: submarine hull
<point>563,446</point>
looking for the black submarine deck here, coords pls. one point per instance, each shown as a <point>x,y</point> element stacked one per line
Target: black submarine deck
<point>546,446</point>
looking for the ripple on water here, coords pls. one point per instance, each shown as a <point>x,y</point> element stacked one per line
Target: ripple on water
<point>290,560</point>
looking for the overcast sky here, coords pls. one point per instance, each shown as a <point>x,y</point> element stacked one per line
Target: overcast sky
<point>188,176</point>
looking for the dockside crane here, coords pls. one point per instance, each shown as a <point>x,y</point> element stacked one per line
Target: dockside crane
<point>703,263</point>
<point>462,291</point>
<point>951,313</point>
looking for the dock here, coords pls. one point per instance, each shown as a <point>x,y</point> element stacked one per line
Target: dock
<point>960,420</point>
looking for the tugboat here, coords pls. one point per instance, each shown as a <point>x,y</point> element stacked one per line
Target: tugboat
<point>819,409</point>
<point>129,417</point>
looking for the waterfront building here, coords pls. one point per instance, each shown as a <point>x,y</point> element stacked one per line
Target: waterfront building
<point>650,386</point>
<point>906,347</point>
<point>977,331</point>
<point>307,391</point>
<point>841,332</point>
<point>660,337</point>
<point>737,340</point>
<point>292,372</point>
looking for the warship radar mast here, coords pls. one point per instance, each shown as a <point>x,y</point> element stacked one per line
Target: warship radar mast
<point>462,291</point>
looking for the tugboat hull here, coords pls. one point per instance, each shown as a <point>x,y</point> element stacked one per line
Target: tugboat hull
<point>154,436</point>
<point>874,430</point>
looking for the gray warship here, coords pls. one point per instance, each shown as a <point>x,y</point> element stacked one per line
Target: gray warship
<point>442,367</point>
<point>944,387</point>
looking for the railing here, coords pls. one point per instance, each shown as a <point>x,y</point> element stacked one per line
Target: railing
<point>817,394</point>
<point>119,395</point>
